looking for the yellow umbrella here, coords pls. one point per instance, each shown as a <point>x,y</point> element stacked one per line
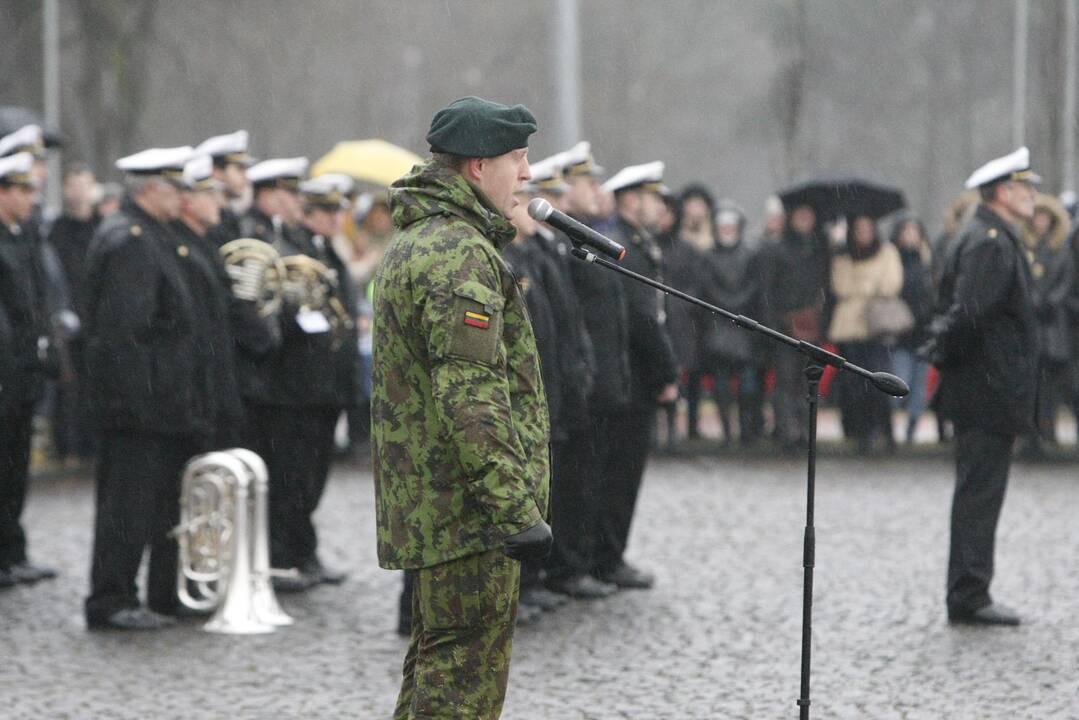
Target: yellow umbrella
<point>375,161</point>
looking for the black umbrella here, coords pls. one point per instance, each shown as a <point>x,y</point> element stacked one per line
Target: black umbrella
<point>844,197</point>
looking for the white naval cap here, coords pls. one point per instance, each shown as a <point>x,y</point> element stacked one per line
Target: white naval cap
<point>283,172</point>
<point>578,160</point>
<point>199,174</point>
<point>344,184</point>
<point>15,169</point>
<point>231,148</point>
<point>321,192</point>
<point>28,138</point>
<point>1015,166</point>
<point>648,176</point>
<point>547,175</point>
<point>167,162</point>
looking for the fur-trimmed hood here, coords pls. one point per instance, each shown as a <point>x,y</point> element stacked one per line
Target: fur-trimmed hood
<point>1061,223</point>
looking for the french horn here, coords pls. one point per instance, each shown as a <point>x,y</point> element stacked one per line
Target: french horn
<point>311,286</point>
<point>257,273</point>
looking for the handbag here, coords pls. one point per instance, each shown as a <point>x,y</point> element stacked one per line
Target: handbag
<point>888,317</point>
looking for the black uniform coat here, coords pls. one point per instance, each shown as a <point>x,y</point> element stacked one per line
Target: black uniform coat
<point>985,331</point>
<point>532,269</point>
<point>7,360</point>
<point>651,358</point>
<point>315,369</point>
<point>23,296</point>
<point>256,338</point>
<point>576,358</point>
<point>602,300</point>
<point>143,331</point>
<point>227,230</point>
<point>211,291</point>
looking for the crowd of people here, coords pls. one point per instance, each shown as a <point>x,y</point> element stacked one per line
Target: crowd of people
<point>142,358</point>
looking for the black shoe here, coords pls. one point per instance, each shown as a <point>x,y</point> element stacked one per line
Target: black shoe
<point>582,587</point>
<point>322,574</point>
<point>299,582</point>
<point>542,598</point>
<point>29,574</point>
<point>527,614</point>
<point>6,579</point>
<point>132,619</point>
<point>991,614</point>
<point>628,577</point>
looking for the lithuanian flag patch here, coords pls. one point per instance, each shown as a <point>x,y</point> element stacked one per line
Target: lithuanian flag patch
<point>476,319</point>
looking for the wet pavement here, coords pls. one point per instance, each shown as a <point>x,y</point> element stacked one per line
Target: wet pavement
<point>719,636</point>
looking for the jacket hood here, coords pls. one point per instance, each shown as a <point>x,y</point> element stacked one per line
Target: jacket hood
<point>961,209</point>
<point>432,189</point>
<point>1061,223</point>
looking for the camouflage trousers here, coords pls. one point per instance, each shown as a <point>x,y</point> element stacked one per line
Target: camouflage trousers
<point>463,615</point>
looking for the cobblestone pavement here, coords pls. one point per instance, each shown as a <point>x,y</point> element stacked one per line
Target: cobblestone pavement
<point>718,637</point>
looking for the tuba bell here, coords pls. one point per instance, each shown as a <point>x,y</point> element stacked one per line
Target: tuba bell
<point>223,560</point>
<point>311,286</point>
<point>256,271</point>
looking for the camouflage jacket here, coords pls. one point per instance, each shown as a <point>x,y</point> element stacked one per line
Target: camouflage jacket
<point>460,431</point>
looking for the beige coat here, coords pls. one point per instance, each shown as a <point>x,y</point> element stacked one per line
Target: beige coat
<point>854,282</point>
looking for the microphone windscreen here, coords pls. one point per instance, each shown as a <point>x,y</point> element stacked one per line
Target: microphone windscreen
<point>539,209</point>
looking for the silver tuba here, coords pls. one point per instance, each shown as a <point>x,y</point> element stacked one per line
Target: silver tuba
<point>223,560</point>
<point>311,286</point>
<point>257,273</point>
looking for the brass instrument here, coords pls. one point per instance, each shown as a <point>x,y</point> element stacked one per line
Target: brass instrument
<point>223,560</point>
<point>257,273</point>
<point>311,286</point>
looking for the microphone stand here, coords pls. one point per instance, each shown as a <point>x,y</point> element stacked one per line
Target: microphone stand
<point>816,358</point>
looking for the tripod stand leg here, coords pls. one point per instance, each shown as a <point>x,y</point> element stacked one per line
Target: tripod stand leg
<point>813,373</point>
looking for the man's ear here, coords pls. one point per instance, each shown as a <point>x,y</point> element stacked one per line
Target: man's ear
<point>474,168</point>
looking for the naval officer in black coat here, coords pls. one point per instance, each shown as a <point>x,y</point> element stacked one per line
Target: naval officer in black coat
<point>984,341</point>
<point>155,407</point>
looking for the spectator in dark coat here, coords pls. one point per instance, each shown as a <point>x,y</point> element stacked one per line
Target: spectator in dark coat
<point>1051,273</point>
<point>693,237</point>
<point>794,277</point>
<point>731,353</point>
<point>909,237</point>
<point>684,268</point>
<point>70,238</point>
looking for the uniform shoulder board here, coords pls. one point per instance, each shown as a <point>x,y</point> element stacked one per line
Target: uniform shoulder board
<point>117,230</point>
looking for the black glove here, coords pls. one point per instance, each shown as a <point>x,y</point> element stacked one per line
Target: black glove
<point>531,544</point>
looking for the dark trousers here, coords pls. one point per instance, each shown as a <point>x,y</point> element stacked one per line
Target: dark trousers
<point>749,398</point>
<point>576,465</point>
<point>16,429</point>
<point>138,503</point>
<point>866,411</point>
<point>789,397</point>
<point>72,421</point>
<point>982,460</point>
<point>630,436</point>
<point>297,444</point>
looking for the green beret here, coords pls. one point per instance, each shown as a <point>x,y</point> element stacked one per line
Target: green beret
<point>474,127</point>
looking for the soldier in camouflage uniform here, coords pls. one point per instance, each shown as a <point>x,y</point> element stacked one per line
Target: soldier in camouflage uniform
<point>460,430</point>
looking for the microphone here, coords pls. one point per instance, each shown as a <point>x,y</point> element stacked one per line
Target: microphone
<point>541,210</point>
